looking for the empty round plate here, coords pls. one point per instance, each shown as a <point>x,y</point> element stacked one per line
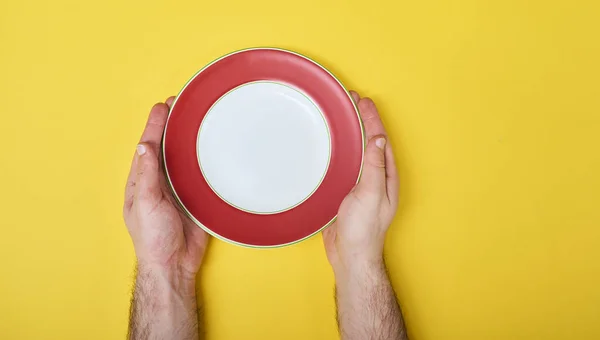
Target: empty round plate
<point>261,147</point>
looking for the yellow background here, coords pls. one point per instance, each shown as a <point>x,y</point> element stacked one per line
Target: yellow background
<point>493,109</point>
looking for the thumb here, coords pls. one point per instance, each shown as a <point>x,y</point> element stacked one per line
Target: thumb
<point>373,174</point>
<point>147,183</point>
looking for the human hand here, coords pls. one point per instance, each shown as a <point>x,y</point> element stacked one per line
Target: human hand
<point>355,240</point>
<point>165,239</point>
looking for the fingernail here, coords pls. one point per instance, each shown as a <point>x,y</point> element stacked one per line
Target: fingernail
<point>141,149</point>
<point>380,143</point>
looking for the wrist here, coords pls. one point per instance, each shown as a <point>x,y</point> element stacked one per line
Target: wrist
<point>164,303</point>
<point>359,269</point>
<point>167,280</point>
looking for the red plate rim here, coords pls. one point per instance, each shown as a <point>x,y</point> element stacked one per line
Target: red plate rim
<point>191,215</point>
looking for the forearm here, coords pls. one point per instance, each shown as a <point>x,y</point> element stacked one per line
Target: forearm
<point>163,306</point>
<point>367,304</point>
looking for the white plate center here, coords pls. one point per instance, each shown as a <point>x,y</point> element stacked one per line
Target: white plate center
<point>264,147</point>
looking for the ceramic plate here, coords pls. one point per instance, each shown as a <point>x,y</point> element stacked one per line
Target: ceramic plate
<point>261,147</point>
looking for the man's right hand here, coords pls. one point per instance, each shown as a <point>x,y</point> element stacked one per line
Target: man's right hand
<point>367,305</point>
<point>356,238</point>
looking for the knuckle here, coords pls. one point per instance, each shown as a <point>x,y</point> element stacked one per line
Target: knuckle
<point>377,162</point>
<point>376,158</point>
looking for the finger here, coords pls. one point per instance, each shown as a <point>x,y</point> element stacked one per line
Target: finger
<point>373,178</point>
<point>370,118</point>
<point>355,96</point>
<point>152,133</point>
<point>156,124</point>
<point>147,179</point>
<point>130,186</point>
<point>170,101</point>
<point>391,175</point>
